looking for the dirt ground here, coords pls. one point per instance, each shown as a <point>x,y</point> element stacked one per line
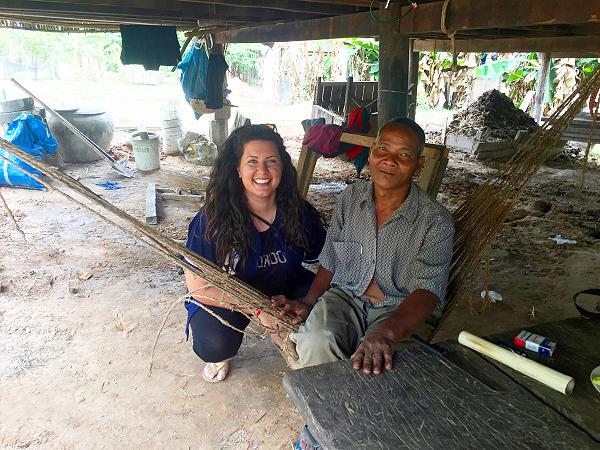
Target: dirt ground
<point>74,351</point>
<point>81,304</point>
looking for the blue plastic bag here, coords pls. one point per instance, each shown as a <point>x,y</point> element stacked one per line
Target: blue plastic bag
<point>30,134</point>
<point>194,66</point>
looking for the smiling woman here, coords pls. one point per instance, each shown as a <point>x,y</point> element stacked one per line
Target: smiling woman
<point>255,225</point>
<point>260,171</point>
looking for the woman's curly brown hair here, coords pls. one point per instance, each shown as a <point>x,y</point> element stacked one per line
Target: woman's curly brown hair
<point>228,221</point>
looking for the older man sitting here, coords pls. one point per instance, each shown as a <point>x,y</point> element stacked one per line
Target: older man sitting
<point>384,266</point>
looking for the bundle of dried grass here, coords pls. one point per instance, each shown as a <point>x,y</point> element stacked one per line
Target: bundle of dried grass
<point>247,298</point>
<point>480,217</point>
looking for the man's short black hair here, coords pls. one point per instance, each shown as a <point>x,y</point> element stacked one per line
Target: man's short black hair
<point>399,122</point>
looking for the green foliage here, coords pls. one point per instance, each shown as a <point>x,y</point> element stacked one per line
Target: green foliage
<point>327,68</point>
<point>364,58</point>
<point>244,61</point>
<point>587,65</point>
<point>89,55</point>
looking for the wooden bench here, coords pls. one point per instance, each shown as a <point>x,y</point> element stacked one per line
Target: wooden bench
<point>333,100</point>
<point>461,400</point>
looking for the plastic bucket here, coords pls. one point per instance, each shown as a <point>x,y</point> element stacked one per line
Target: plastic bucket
<point>146,151</point>
<point>170,137</point>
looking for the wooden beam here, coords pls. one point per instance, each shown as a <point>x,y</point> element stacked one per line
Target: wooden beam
<point>563,44</point>
<point>394,49</point>
<point>361,3</point>
<point>279,5</point>
<point>461,15</point>
<point>285,5</point>
<point>112,23</point>
<point>182,11</point>
<point>357,139</point>
<point>351,25</point>
<point>540,91</point>
<point>413,81</point>
<point>151,216</point>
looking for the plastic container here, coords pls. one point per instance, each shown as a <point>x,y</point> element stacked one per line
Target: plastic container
<point>94,123</point>
<point>170,137</point>
<point>146,151</point>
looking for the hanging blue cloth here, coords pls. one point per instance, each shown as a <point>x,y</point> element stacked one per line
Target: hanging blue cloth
<point>30,134</point>
<point>194,67</point>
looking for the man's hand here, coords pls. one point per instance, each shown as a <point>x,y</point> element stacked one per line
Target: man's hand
<point>298,309</point>
<point>374,353</point>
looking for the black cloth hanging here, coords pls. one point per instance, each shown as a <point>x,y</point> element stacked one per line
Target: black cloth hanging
<point>149,45</point>
<point>215,76</point>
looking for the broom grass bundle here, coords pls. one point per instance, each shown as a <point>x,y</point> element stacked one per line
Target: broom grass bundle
<point>248,299</point>
<point>480,217</point>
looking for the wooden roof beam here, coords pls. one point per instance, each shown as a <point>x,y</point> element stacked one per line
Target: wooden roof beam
<point>575,45</point>
<point>359,3</point>
<point>286,5</point>
<point>212,25</point>
<point>187,12</point>
<point>461,15</point>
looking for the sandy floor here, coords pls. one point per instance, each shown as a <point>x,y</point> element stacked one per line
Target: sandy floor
<point>80,309</point>
<point>74,352</point>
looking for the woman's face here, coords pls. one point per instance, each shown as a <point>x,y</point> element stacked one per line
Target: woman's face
<point>260,169</point>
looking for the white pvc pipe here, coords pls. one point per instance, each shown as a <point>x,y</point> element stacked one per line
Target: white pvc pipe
<point>550,377</point>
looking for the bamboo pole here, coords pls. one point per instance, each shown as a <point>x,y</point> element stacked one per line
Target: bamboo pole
<point>550,377</point>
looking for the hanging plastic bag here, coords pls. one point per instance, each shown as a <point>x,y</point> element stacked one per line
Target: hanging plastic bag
<point>30,134</point>
<point>194,66</point>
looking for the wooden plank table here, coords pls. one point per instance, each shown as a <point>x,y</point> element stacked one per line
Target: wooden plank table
<point>577,353</point>
<point>429,402</point>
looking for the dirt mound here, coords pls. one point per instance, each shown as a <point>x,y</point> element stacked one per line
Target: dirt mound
<point>495,115</point>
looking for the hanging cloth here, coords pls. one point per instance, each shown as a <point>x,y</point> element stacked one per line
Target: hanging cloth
<point>325,140</point>
<point>149,45</point>
<point>215,77</point>
<point>192,78</point>
<point>358,120</point>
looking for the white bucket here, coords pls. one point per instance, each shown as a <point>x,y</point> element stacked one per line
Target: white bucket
<point>146,151</point>
<point>169,111</point>
<point>170,138</point>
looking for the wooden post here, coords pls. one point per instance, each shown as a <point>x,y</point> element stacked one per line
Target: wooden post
<point>318,93</point>
<point>394,47</point>
<point>151,216</point>
<point>348,96</point>
<point>540,91</point>
<point>306,167</point>
<point>413,81</point>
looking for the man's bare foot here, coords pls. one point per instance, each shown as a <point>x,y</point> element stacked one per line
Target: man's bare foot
<point>287,347</point>
<point>215,372</point>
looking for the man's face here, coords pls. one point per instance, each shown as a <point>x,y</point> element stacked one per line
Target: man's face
<point>393,159</point>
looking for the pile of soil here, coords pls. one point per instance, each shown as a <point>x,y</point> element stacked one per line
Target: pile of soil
<point>495,115</point>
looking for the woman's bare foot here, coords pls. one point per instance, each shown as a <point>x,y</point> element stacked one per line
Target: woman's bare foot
<point>215,372</point>
<point>286,346</point>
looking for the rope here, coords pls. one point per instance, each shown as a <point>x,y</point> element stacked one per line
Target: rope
<point>393,91</point>
<point>594,106</point>
<point>449,34</point>
<point>12,218</point>
<point>413,7</point>
<point>246,297</point>
<point>481,216</point>
<point>188,298</point>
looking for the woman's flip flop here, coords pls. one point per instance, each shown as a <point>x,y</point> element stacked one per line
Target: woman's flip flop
<point>220,367</point>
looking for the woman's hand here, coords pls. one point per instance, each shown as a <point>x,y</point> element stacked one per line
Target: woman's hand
<point>297,308</point>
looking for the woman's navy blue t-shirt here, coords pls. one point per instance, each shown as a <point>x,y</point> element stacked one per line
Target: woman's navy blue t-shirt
<point>272,267</point>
